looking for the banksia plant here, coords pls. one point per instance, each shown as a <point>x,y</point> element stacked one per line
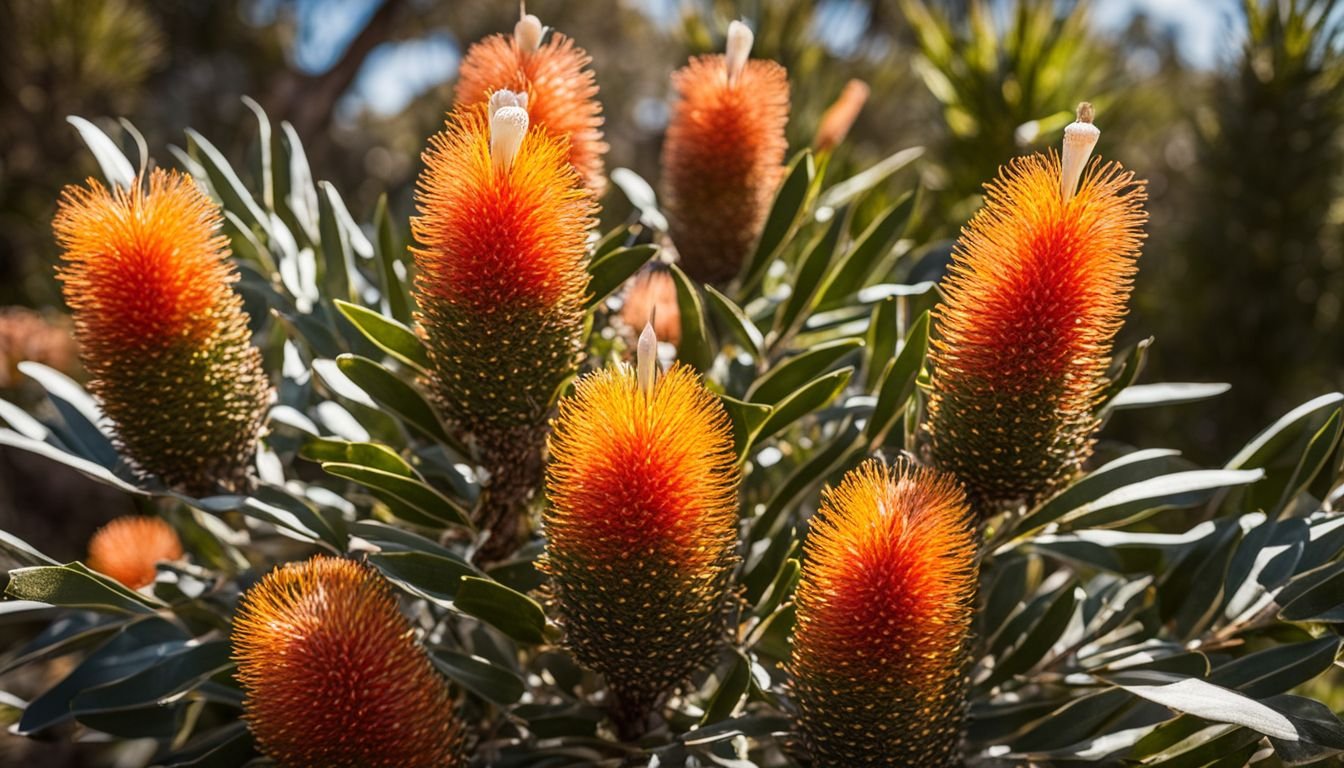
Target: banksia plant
<point>501,258</point>
<point>561,88</point>
<point>723,156</point>
<point>161,330</point>
<point>1033,300</point>
<point>641,532</point>
<point>651,297</point>
<point>129,548</point>
<point>880,648</point>
<point>840,116</point>
<point>333,675</point>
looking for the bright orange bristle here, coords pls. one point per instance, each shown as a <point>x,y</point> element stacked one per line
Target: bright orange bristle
<point>722,161</point>
<point>129,548</point>
<point>561,93</point>
<point>641,531</point>
<point>333,675</point>
<point>1033,300</point>
<point>884,606</point>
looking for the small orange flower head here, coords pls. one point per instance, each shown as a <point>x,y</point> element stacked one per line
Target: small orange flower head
<point>641,531</point>
<point>333,675</point>
<point>840,116</point>
<point>561,89</point>
<point>884,605</point>
<point>651,296</point>
<point>1033,300</point>
<point>161,330</point>
<point>129,548</point>
<point>723,156</point>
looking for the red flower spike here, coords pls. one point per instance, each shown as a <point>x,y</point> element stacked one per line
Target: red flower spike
<point>884,607</point>
<point>1033,300</point>
<point>333,675</point>
<point>161,330</point>
<point>128,549</point>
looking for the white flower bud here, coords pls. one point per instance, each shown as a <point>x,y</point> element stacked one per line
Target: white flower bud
<point>646,359</point>
<point>508,126</point>
<point>1080,137</point>
<point>738,50</point>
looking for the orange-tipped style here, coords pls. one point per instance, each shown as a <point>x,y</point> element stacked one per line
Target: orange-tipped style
<point>501,257</point>
<point>333,675</point>
<point>129,548</point>
<point>884,604</point>
<point>161,330</point>
<point>641,532</point>
<point>561,88</point>
<point>723,156</point>
<point>1033,300</point>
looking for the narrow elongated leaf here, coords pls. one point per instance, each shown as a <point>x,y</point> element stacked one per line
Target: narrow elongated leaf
<point>694,348</point>
<point>388,335</point>
<point>785,214</point>
<point>371,455</point>
<point>79,412</point>
<point>610,272</point>
<point>747,418</point>
<point>73,585</point>
<point>1206,700</point>
<point>175,673</point>
<point>430,575</point>
<point>408,496</point>
<point>1152,395</point>
<point>1181,489</point>
<point>731,690</point>
<point>480,676</point>
<point>1285,431</point>
<point>115,167</point>
<point>854,267</point>
<point>807,281</point>
<point>511,612</point>
<point>786,377</point>
<point>880,341</point>
<point>226,184</point>
<point>394,394</point>
<point>898,383</point>
<point>391,268</point>
<point>1126,470</point>
<point>739,326</point>
<point>807,399</point>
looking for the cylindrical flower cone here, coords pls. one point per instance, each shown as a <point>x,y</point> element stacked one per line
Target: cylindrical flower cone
<point>1035,295</point>
<point>129,548</point>
<point>161,330</point>
<point>884,603</point>
<point>641,533</point>
<point>651,297</point>
<point>723,156</point>
<point>560,86</point>
<point>502,277</point>
<point>333,675</point>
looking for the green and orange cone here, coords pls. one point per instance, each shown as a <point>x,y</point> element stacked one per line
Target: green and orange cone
<point>1035,296</point>
<point>884,603</point>
<point>161,331</point>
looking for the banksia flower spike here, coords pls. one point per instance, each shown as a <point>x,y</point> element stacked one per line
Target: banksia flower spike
<point>723,156</point>
<point>884,602</point>
<point>641,533</point>
<point>839,117</point>
<point>161,331</point>
<point>333,675</point>
<point>561,88</point>
<point>129,548</point>
<point>1034,298</point>
<point>651,297</point>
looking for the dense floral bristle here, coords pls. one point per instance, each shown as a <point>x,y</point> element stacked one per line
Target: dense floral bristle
<point>161,330</point>
<point>129,548</point>
<point>641,532</point>
<point>884,603</point>
<point>722,161</point>
<point>333,675</point>
<point>561,93</point>
<point>1033,300</point>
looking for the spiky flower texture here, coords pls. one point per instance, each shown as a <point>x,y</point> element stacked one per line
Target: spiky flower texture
<point>641,532</point>
<point>129,548</point>
<point>333,675</point>
<point>1033,300</point>
<point>884,604</point>
<point>723,156</point>
<point>561,89</point>
<point>161,330</point>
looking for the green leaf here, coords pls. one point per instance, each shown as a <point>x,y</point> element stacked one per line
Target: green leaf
<point>849,189</point>
<point>807,280</point>
<point>1206,700</point>
<point>780,589</point>
<point>786,213</point>
<point>1174,491</point>
<point>694,348</point>
<point>787,376</point>
<point>1319,449</point>
<point>1279,668</point>
<point>1171,393</point>
<point>116,168</point>
<point>430,575</point>
<point>880,341</point>
<point>1030,633</point>
<point>490,681</point>
<point>747,420</point>
<point>389,251</point>
<point>1280,435</point>
<point>1127,373</point>
<point>613,269</point>
<point>739,326</point>
<point>178,672</point>
<point>898,383</point>
<point>394,394</point>
<point>388,335</point>
<point>410,498</point>
<point>224,181</point>
<point>85,467</point>
<point>79,413</point>
<point>1319,600</point>
<point>853,268</point>
<point>511,612</point>
<point>74,585</point>
<point>21,552</point>
<point>374,455</point>
<point>807,399</point>
<point>840,450</point>
<point>730,692</point>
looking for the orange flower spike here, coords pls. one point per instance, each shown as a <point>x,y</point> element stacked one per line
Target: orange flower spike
<point>651,296</point>
<point>840,116</point>
<point>723,156</point>
<point>161,330</point>
<point>129,548</point>
<point>561,89</point>
<point>884,606</point>
<point>641,531</point>
<point>1035,296</point>
<point>333,675</point>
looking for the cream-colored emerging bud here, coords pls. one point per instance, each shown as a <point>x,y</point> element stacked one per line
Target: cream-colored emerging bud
<point>646,359</point>
<point>527,32</point>
<point>738,50</point>
<point>508,126</point>
<point>1080,137</point>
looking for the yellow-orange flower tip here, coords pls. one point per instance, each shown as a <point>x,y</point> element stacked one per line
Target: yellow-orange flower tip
<point>641,530</point>
<point>884,604</point>
<point>651,296</point>
<point>840,116</point>
<point>1036,292</point>
<point>560,85</point>
<point>129,548</point>
<point>333,676</point>
<point>723,156</point>
<point>161,330</point>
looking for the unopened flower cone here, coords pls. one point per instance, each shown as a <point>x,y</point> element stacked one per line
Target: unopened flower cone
<point>502,275</point>
<point>723,156</point>
<point>333,675</point>
<point>641,532</point>
<point>1035,295</point>
<point>560,86</point>
<point>884,603</point>
<point>161,330</point>
<point>129,548</point>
